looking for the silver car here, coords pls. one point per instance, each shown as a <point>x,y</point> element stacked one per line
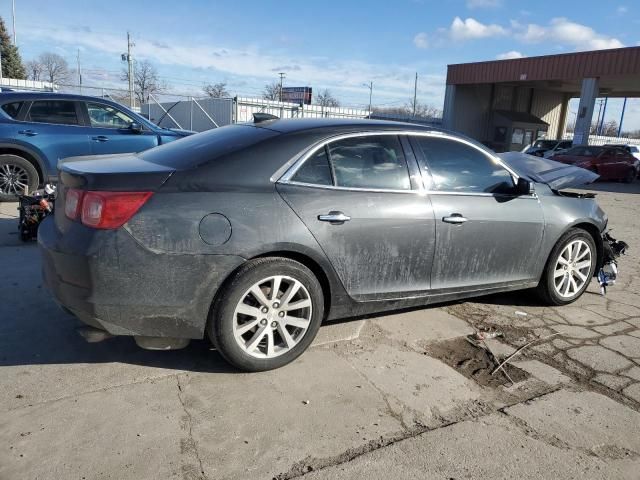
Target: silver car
<point>255,234</point>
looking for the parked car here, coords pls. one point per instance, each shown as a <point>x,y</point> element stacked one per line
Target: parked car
<point>39,129</point>
<point>611,163</point>
<point>546,148</point>
<point>254,234</point>
<point>632,149</point>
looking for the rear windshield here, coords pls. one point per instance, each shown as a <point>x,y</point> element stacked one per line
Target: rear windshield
<point>207,146</point>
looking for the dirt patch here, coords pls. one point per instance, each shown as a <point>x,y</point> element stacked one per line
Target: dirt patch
<point>474,362</point>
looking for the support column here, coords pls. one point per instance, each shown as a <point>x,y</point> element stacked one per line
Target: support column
<point>588,95</point>
<point>448,111</point>
<point>562,121</point>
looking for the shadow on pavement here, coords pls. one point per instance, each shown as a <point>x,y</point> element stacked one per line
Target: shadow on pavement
<point>613,187</point>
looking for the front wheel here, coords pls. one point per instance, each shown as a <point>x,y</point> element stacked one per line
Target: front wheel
<point>569,268</point>
<point>267,315</point>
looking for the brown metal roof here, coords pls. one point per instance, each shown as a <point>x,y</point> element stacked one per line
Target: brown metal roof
<point>563,67</point>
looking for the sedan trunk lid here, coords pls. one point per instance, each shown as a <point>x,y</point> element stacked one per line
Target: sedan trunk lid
<point>542,170</point>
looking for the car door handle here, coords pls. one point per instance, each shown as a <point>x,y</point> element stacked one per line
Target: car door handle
<point>337,218</point>
<point>28,133</point>
<point>454,218</point>
<point>100,138</point>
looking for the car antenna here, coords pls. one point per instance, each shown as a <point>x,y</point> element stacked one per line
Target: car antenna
<point>263,117</point>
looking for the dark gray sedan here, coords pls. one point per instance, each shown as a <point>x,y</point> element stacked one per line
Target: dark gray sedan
<point>255,234</point>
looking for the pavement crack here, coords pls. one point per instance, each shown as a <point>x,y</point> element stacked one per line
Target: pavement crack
<point>189,445</point>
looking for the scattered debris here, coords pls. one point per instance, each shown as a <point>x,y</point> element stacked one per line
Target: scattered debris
<point>306,402</point>
<point>486,335</point>
<point>517,352</point>
<point>520,313</point>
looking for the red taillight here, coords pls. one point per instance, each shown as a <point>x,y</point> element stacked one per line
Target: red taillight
<point>111,209</point>
<point>73,203</point>
<point>103,209</point>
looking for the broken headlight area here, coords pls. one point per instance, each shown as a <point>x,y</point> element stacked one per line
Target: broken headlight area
<point>612,249</point>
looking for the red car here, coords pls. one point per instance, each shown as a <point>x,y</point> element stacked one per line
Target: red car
<point>609,162</point>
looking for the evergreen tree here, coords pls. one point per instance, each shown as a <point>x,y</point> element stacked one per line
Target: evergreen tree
<point>12,66</point>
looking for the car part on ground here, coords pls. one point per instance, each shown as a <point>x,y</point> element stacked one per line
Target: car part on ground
<point>608,273</point>
<point>33,209</point>
<point>255,234</point>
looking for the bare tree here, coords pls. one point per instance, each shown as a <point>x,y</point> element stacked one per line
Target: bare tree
<point>326,99</point>
<point>54,68</point>
<point>216,90</point>
<point>34,69</point>
<point>423,110</point>
<point>271,91</point>
<point>146,81</point>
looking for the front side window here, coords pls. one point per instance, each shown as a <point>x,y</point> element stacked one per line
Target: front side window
<point>457,167</point>
<point>374,161</point>
<point>12,108</point>
<point>106,116</point>
<point>53,111</point>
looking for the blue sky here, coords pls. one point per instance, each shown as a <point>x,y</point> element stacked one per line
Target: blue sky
<point>331,44</point>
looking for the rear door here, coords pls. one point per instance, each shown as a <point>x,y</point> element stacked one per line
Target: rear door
<point>359,197</point>
<point>486,235</point>
<point>111,130</point>
<point>55,128</point>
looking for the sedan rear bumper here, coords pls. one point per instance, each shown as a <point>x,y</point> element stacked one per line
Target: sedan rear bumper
<point>111,282</point>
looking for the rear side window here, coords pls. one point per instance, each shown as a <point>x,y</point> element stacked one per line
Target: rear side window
<point>53,111</point>
<point>457,167</point>
<point>316,170</point>
<point>375,161</point>
<point>12,108</point>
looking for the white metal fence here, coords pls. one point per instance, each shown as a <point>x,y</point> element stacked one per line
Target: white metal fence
<point>601,140</point>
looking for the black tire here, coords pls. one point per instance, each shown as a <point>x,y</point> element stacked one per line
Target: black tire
<point>221,321</point>
<point>631,176</point>
<point>546,288</point>
<point>16,164</point>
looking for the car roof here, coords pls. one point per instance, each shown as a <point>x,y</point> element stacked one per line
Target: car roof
<point>290,125</point>
<point>20,96</point>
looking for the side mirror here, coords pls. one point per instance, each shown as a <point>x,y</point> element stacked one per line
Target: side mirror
<point>524,187</point>
<point>135,127</point>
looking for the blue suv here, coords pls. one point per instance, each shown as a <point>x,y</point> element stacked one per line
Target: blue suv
<point>39,129</point>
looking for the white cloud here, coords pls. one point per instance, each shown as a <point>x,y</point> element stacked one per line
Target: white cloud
<point>471,29</point>
<point>566,32</point>
<point>509,55</point>
<point>252,64</point>
<point>621,10</point>
<point>483,3</point>
<point>421,40</point>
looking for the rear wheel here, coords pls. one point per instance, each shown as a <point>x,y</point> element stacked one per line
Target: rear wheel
<point>631,176</point>
<point>569,268</point>
<point>267,315</point>
<point>17,175</point>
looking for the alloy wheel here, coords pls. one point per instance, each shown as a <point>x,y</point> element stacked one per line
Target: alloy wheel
<point>272,316</point>
<point>572,268</point>
<point>13,179</point>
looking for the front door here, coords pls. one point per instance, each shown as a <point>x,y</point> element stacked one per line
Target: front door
<point>111,131</point>
<point>486,235</point>
<point>356,197</point>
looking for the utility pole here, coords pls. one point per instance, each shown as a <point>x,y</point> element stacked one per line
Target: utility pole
<point>415,94</point>
<point>79,72</point>
<point>130,65</point>
<point>370,85</point>
<point>282,75</point>
<point>604,112</point>
<point>1,67</point>
<point>13,7</point>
